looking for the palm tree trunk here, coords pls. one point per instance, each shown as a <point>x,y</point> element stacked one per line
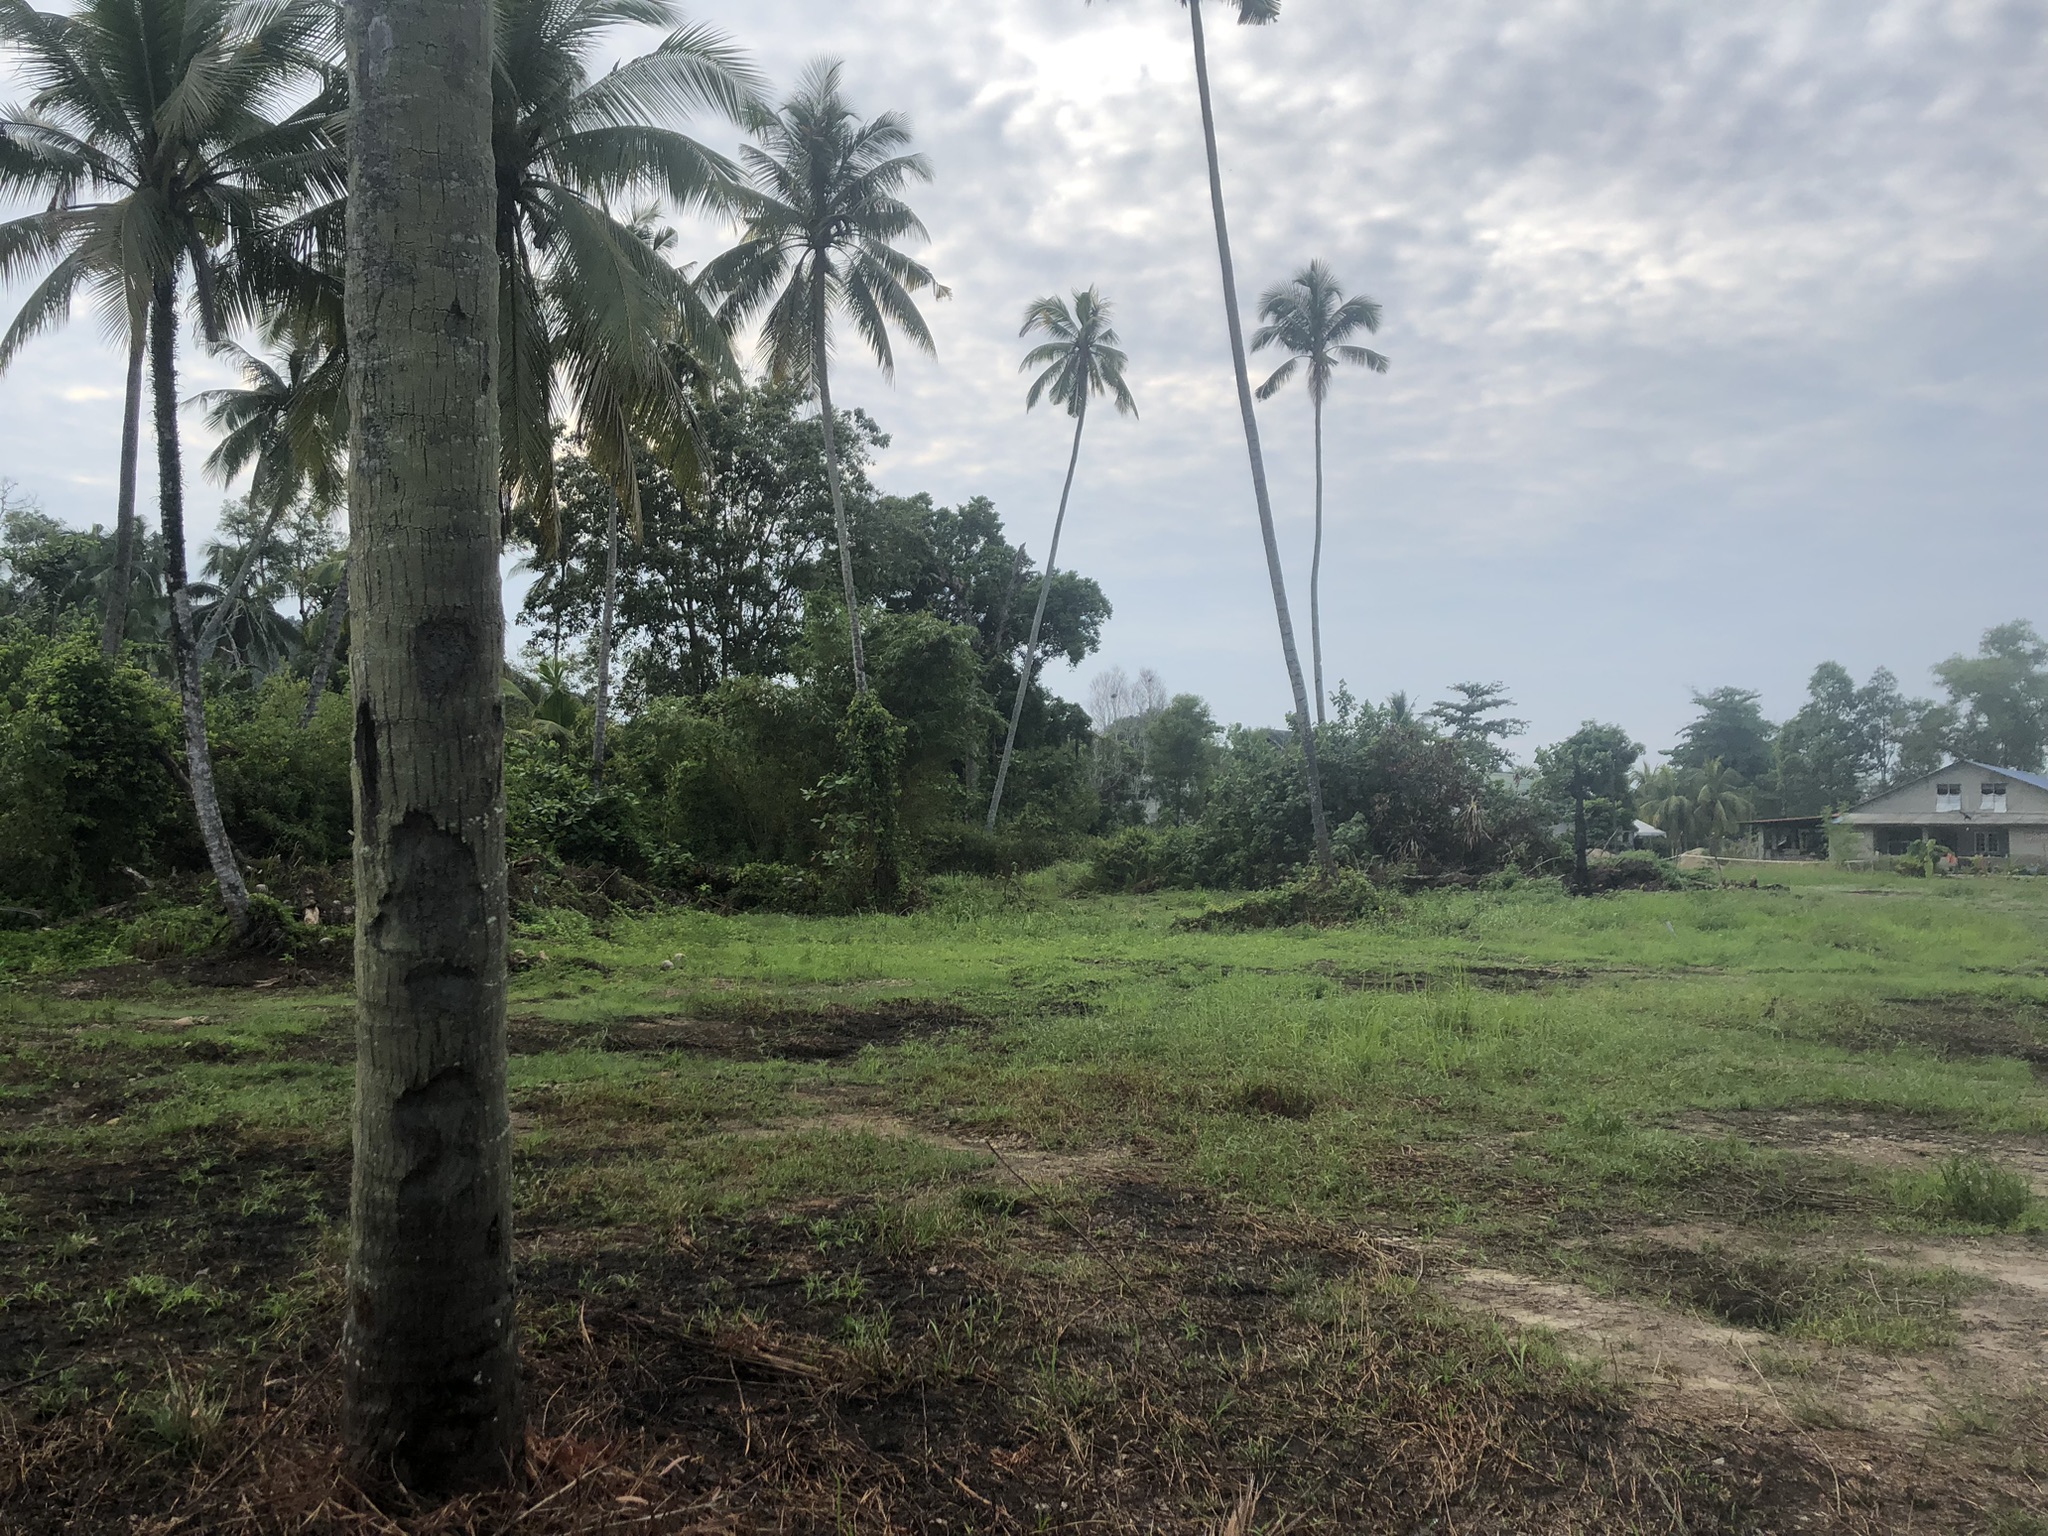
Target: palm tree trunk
<point>995,800</point>
<point>213,832</point>
<point>429,1357</point>
<point>604,637</point>
<point>114,627</point>
<point>1315,574</point>
<point>1325,859</point>
<point>860,661</point>
<point>330,639</point>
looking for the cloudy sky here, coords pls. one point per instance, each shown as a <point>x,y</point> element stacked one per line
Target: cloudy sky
<point>1718,332</point>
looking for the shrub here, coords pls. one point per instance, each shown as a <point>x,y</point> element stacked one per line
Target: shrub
<point>554,812</point>
<point>1350,898</point>
<point>284,789</point>
<point>1977,1192</point>
<point>88,782</point>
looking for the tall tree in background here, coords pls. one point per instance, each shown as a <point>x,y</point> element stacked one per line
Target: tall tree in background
<point>429,1352</point>
<point>1589,771</point>
<point>824,215</point>
<point>1309,318</point>
<point>1252,13</point>
<point>1081,357</point>
<point>2000,697</point>
<point>147,129</point>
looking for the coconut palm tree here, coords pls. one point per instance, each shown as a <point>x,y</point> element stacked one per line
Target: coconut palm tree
<point>571,146</point>
<point>1082,356</point>
<point>1258,13</point>
<point>824,214</point>
<point>289,422</point>
<point>1310,318</point>
<point>1718,806</point>
<point>1661,800</point>
<point>147,129</point>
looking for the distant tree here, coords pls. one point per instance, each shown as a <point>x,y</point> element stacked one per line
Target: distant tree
<point>2000,697</point>
<point>824,217</point>
<point>1730,726</point>
<point>1824,753</point>
<point>1663,801</point>
<point>1718,805</point>
<point>1474,718</point>
<point>1589,771</point>
<point>1181,744</point>
<point>1081,357</point>
<point>1309,318</point>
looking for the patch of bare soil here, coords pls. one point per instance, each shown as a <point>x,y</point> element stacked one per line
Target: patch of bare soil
<point>318,961</point>
<point>1882,1141</point>
<point>757,1032</point>
<point>1714,1346</point>
<point>1954,1027</point>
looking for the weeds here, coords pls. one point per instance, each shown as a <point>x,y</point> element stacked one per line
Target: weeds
<point>1969,1190</point>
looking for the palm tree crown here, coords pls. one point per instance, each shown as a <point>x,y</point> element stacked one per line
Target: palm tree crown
<point>824,213</point>
<point>583,292</point>
<point>1309,317</point>
<point>1083,356</point>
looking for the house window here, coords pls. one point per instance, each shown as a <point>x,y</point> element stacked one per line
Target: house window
<point>1994,845</point>
<point>1990,797</point>
<point>1948,797</point>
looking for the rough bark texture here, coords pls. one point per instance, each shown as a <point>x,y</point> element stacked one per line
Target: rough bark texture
<point>995,799</point>
<point>429,1355</point>
<point>170,471</point>
<point>1304,728</point>
<point>602,715</point>
<point>114,627</point>
<point>330,640</point>
<point>839,526</point>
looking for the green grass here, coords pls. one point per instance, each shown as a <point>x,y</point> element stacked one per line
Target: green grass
<point>1507,1076</point>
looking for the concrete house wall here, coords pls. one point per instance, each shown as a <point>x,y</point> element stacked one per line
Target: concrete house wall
<point>1915,810</point>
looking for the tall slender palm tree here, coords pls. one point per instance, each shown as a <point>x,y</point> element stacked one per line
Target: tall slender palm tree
<point>1082,356</point>
<point>148,128</point>
<point>1258,13</point>
<point>823,212</point>
<point>1311,319</point>
<point>571,145</point>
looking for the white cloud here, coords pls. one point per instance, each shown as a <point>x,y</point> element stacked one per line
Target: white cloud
<point>1707,322</point>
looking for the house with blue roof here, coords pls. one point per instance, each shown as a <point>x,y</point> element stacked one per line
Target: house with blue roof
<point>1974,809</point>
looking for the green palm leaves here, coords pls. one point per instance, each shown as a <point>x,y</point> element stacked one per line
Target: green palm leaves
<point>1310,319</point>
<point>587,303</point>
<point>1082,356</point>
<point>824,217</point>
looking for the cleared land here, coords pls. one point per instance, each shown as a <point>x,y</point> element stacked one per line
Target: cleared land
<point>1703,1211</point>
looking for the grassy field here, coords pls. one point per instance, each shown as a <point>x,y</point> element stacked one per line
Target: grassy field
<point>1713,1210</point>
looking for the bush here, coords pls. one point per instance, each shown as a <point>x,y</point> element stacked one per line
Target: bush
<point>1635,871</point>
<point>1977,1192</point>
<point>284,789</point>
<point>1350,898</point>
<point>553,812</point>
<point>88,781</point>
